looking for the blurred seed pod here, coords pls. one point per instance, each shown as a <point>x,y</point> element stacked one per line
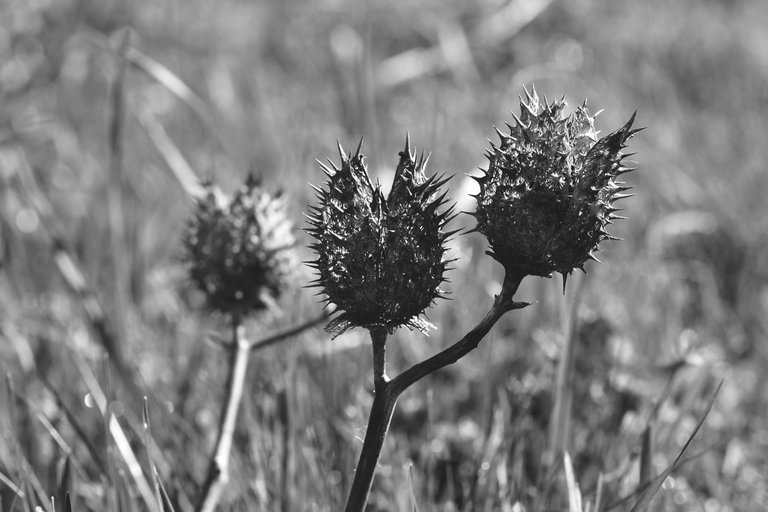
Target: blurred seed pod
<point>240,251</point>
<point>380,260</point>
<point>547,196</point>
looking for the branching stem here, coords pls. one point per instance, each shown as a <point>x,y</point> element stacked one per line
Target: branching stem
<point>240,350</point>
<point>386,391</point>
<point>218,468</point>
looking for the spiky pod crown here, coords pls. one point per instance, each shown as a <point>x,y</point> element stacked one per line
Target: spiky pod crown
<point>240,251</point>
<point>547,197</point>
<point>379,260</point>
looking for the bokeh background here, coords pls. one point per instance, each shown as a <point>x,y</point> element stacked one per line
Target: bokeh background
<point>111,110</point>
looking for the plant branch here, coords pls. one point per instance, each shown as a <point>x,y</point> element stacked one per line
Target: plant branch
<point>504,302</point>
<point>218,468</point>
<point>386,391</point>
<point>292,331</point>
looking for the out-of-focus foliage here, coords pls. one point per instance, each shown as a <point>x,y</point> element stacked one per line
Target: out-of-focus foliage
<point>271,86</point>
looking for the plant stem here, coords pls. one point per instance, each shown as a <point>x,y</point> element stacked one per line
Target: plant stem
<point>386,391</point>
<point>218,469</point>
<point>378,423</point>
<point>504,302</point>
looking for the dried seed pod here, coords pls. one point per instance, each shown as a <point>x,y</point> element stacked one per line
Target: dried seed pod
<point>380,260</point>
<point>240,251</point>
<point>547,196</point>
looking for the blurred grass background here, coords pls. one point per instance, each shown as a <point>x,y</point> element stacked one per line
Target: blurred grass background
<point>676,306</point>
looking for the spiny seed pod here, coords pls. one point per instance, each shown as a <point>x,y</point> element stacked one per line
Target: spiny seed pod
<point>240,251</point>
<point>547,196</point>
<point>380,260</point>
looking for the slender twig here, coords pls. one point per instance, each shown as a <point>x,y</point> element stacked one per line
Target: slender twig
<point>386,391</point>
<point>218,468</point>
<point>290,332</point>
<point>240,349</point>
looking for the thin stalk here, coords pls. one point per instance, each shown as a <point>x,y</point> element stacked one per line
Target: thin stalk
<point>386,391</point>
<point>378,424</point>
<point>218,468</point>
<point>504,302</point>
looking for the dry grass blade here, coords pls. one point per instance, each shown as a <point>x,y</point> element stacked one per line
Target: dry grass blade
<point>508,21</point>
<point>561,413</point>
<point>412,493</point>
<point>115,208</point>
<point>654,487</point>
<point>6,480</point>
<point>26,475</point>
<point>64,479</point>
<point>52,431</point>
<point>129,457</point>
<point>646,456</point>
<point>599,493</point>
<point>574,494</point>
<point>157,71</point>
<point>167,505</point>
<point>172,155</point>
<point>148,447</point>
<point>95,456</point>
<point>71,272</point>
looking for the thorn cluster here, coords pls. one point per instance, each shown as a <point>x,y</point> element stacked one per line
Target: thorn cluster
<point>548,194</point>
<point>240,251</point>
<point>380,260</point>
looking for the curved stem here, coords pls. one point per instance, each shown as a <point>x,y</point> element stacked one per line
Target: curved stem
<point>468,343</point>
<point>218,468</point>
<point>388,391</point>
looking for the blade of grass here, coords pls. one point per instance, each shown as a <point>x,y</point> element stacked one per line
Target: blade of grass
<point>131,462</point>
<point>71,272</point>
<point>172,155</point>
<point>26,476</point>
<point>8,482</point>
<point>651,490</point>
<point>599,492</point>
<point>167,504</point>
<point>115,207</point>
<point>148,448</point>
<point>52,431</point>
<point>574,494</point>
<point>646,456</point>
<point>559,433</point>
<point>95,456</point>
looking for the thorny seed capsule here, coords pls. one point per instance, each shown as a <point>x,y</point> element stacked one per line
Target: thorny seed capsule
<point>547,196</point>
<point>240,251</point>
<point>380,260</point>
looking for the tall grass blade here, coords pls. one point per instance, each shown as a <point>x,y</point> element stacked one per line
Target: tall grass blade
<point>653,488</point>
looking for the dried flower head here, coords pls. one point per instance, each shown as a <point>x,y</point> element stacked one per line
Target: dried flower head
<point>547,196</point>
<point>240,251</point>
<point>380,260</point>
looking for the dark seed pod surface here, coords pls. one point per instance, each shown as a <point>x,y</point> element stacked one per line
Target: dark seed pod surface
<point>240,251</point>
<point>380,260</point>
<point>547,196</point>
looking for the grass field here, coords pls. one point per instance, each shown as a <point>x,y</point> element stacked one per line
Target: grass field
<point>111,111</point>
